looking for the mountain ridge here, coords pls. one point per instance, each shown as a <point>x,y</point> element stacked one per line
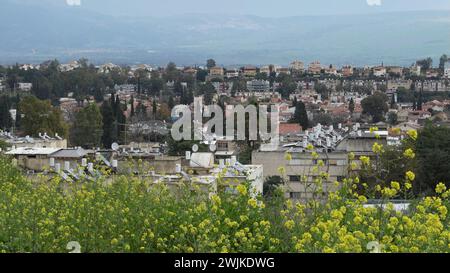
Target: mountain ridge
<point>70,33</point>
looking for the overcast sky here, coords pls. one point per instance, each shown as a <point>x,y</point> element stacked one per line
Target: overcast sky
<point>267,8</point>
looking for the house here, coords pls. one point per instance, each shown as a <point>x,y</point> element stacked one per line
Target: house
<point>432,73</point>
<point>297,66</point>
<point>232,73</point>
<point>34,159</point>
<point>250,71</point>
<point>283,70</point>
<point>258,86</point>
<point>347,71</point>
<point>43,141</point>
<point>395,70</point>
<point>190,71</point>
<point>107,68</point>
<point>226,148</point>
<point>331,70</point>
<point>315,68</point>
<point>216,71</point>
<point>415,70</point>
<point>73,157</point>
<point>395,84</point>
<point>69,67</point>
<point>289,132</point>
<point>24,86</point>
<point>379,71</point>
<point>447,70</point>
<point>265,70</point>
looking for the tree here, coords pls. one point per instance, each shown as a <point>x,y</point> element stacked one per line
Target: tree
<point>433,155</point>
<point>109,134</point>
<point>171,103</point>
<point>154,108</point>
<point>351,106</point>
<point>425,64</point>
<point>271,184</point>
<point>164,112</point>
<point>300,115</point>
<point>6,121</point>
<point>444,58</point>
<point>208,91</point>
<point>323,118</point>
<point>322,89</point>
<point>87,130</point>
<point>41,117</point>
<point>210,63</point>
<point>201,75</point>
<point>392,118</point>
<point>132,107</point>
<point>375,106</point>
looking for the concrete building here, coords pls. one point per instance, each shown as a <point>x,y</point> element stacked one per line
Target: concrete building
<point>379,71</point>
<point>332,146</point>
<point>315,68</point>
<point>250,71</point>
<point>297,66</point>
<point>447,70</point>
<point>258,86</point>
<point>24,86</point>
<point>415,70</point>
<point>232,73</point>
<point>43,141</point>
<point>33,159</point>
<point>399,83</point>
<point>347,71</point>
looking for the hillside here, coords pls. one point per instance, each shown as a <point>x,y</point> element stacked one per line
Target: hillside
<point>34,33</point>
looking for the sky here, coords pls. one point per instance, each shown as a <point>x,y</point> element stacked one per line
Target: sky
<point>264,8</point>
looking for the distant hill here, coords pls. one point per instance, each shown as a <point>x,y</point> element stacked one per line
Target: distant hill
<point>33,34</point>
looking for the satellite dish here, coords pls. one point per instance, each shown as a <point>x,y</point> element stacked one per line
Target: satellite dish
<point>195,148</point>
<point>115,146</point>
<point>212,147</point>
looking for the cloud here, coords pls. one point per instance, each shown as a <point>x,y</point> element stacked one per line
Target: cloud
<point>374,2</point>
<point>73,2</point>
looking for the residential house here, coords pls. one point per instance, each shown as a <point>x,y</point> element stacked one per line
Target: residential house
<point>250,71</point>
<point>315,68</point>
<point>258,86</point>
<point>447,70</point>
<point>347,71</point>
<point>297,66</point>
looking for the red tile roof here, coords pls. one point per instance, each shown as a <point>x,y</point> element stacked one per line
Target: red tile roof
<point>290,128</point>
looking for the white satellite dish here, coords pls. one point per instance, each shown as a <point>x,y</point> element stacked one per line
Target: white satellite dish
<point>195,148</point>
<point>212,147</point>
<point>115,146</point>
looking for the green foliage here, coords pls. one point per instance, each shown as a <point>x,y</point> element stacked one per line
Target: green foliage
<point>109,126</point>
<point>323,90</point>
<point>425,64</point>
<point>210,63</point>
<point>433,155</point>
<point>351,106</point>
<point>392,118</point>
<point>40,117</point>
<point>131,214</point>
<point>271,184</point>
<point>375,106</point>
<point>87,129</point>
<point>300,115</point>
<point>6,121</point>
<point>179,148</point>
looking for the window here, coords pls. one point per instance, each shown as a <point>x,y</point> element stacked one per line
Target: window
<point>294,178</point>
<point>295,195</point>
